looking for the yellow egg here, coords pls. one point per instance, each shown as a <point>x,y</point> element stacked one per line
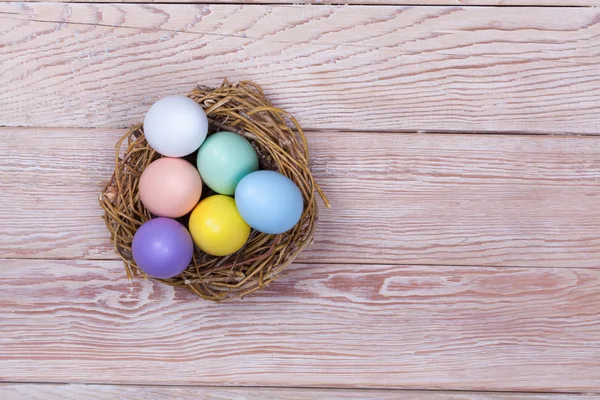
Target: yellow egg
<point>217,227</point>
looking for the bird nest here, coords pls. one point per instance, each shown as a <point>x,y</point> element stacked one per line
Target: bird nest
<point>281,146</point>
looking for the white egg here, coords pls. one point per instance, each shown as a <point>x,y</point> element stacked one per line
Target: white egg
<point>175,126</point>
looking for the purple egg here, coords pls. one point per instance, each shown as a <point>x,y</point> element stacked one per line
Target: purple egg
<point>162,248</point>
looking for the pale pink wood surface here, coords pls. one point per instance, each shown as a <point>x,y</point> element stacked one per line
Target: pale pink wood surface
<point>397,198</point>
<point>110,392</point>
<point>346,325</point>
<point>388,68</point>
<point>538,3</point>
<point>349,315</point>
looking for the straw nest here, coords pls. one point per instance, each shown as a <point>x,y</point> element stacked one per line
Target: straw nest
<point>281,146</point>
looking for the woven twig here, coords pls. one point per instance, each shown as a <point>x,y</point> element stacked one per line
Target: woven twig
<point>240,108</point>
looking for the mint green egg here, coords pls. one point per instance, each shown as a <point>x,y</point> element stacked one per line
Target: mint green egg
<point>224,159</point>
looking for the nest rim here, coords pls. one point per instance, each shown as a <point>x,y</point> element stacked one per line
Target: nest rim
<point>281,146</point>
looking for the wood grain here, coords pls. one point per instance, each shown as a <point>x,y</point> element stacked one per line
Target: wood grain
<point>409,198</point>
<point>319,325</point>
<point>538,3</point>
<point>385,68</point>
<point>112,392</point>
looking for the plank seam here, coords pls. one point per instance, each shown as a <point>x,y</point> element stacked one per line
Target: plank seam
<point>366,389</point>
<point>557,134</point>
<point>316,262</point>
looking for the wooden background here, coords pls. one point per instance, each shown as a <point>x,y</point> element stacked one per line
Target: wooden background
<point>458,141</point>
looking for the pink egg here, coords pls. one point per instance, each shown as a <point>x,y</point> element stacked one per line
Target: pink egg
<point>170,187</point>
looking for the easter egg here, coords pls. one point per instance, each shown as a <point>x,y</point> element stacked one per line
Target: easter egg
<point>216,226</point>
<point>170,187</point>
<point>162,248</point>
<point>269,202</point>
<point>175,126</point>
<point>224,159</point>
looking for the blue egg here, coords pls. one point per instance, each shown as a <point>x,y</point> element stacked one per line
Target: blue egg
<point>269,201</point>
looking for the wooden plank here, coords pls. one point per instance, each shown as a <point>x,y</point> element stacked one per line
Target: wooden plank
<point>111,392</point>
<point>536,3</point>
<point>335,67</point>
<point>409,198</point>
<point>451,328</point>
